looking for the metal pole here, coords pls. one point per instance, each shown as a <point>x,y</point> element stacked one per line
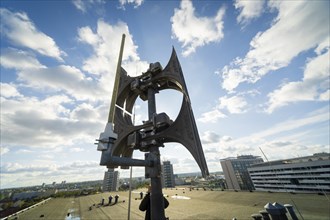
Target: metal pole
<point>130,180</point>
<point>111,115</point>
<point>156,196</point>
<point>130,194</point>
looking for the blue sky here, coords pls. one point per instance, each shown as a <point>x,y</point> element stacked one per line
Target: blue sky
<point>257,74</point>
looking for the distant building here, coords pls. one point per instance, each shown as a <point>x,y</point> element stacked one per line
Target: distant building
<point>168,176</point>
<point>111,180</point>
<point>25,195</point>
<point>301,174</point>
<point>33,194</point>
<point>236,171</point>
<point>178,181</point>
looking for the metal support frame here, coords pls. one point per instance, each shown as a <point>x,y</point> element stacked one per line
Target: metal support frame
<point>121,137</point>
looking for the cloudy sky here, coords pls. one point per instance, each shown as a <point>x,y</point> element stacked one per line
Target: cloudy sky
<point>257,74</point>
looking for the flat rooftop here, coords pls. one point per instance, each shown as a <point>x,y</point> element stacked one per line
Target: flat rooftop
<point>184,204</point>
<point>297,160</point>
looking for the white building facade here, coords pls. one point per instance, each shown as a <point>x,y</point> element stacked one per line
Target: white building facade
<point>303,174</point>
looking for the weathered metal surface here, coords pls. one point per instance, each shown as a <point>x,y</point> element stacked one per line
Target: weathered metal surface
<point>159,129</point>
<point>117,144</point>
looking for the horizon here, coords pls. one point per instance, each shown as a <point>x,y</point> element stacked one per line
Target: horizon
<point>257,74</point>
<point>122,178</point>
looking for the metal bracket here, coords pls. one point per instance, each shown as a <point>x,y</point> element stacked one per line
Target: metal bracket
<point>155,170</point>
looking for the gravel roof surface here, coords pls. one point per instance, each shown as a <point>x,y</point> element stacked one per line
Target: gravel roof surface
<point>184,204</point>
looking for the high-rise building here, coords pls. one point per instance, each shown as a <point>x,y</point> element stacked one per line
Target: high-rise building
<point>111,180</point>
<point>236,171</point>
<point>168,176</point>
<point>301,174</point>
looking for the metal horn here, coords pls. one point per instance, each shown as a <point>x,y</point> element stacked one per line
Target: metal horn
<point>160,129</point>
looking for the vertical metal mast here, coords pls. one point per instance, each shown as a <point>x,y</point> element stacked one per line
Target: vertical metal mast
<point>156,196</point>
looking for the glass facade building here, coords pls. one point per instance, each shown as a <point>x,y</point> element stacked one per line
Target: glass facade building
<point>168,176</point>
<point>110,181</point>
<point>236,171</point>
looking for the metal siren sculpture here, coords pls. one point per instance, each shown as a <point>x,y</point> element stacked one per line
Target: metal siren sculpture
<point>118,142</point>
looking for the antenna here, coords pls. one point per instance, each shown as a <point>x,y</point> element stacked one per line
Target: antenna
<point>111,115</point>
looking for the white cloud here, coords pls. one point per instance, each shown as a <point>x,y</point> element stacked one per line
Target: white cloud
<point>86,35</point>
<point>76,149</point>
<point>186,165</point>
<point>212,116</point>
<point>4,150</point>
<point>194,31</point>
<point>325,96</point>
<point>58,78</point>
<point>55,121</point>
<point>24,151</point>
<point>292,150</point>
<point>41,166</point>
<point>84,5</point>
<point>210,137</point>
<point>277,144</point>
<point>19,60</point>
<point>21,31</point>
<point>63,78</point>
<point>234,104</point>
<point>19,168</point>
<point>80,5</point>
<point>9,90</point>
<point>136,3</point>
<point>46,156</point>
<point>248,10</point>
<point>82,164</point>
<point>314,86</point>
<point>292,136</point>
<point>319,116</point>
<point>298,27</point>
<point>84,111</point>
<point>44,123</point>
<point>37,172</point>
<point>226,138</point>
<point>106,45</point>
<point>105,42</point>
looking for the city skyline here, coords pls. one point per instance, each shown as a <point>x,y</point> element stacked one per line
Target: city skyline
<point>257,74</point>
